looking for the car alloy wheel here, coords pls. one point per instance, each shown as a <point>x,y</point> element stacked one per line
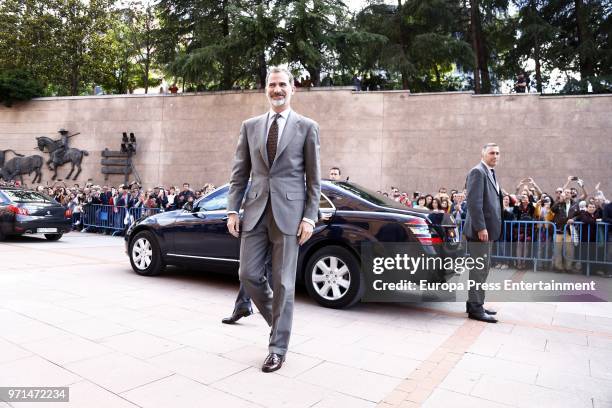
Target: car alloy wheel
<point>142,253</point>
<point>331,278</point>
<point>145,256</point>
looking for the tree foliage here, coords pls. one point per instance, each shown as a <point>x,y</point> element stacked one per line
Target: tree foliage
<point>18,85</point>
<point>69,46</point>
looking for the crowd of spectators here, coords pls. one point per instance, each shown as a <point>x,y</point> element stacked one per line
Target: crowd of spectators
<point>160,198</point>
<point>527,203</point>
<point>570,205</point>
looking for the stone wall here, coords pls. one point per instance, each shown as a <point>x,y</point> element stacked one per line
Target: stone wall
<point>379,139</point>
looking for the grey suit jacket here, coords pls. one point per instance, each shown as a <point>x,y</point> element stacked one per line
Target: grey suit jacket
<point>484,208</point>
<point>293,183</point>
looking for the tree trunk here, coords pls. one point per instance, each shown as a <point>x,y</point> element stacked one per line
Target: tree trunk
<point>537,51</point>
<point>405,80</point>
<point>74,80</point>
<point>585,40</point>
<point>227,82</point>
<point>315,75</point>
<point>403,35</point>
<point>263,70</point>
<point>483,55</point>
<point>262,66</point>
<point>146,72</point>
<point>538,65</point>
<point>475,46</point>
<point>484,65</point>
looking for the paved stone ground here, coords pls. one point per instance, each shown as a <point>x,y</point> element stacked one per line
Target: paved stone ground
<point>72,313</point>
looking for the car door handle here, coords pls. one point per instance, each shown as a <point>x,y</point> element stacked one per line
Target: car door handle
<point>225,218</point>
<point>325,216</point>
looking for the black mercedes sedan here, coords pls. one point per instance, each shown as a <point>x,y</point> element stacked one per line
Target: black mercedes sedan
<point>25,211</point>
<point>349,215</point>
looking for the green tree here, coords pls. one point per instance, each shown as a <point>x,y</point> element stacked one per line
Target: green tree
<point>142,34</point>
<point>18,85</point>
<point>27,39</point>
<point>582,42</point>
<point>256,38</point>
<point>423,42</point>
<point>533,39</point>
<point>116,69</point>
<point>80,42</point>
<point>488,33</point>
<point>205,52</point>
<point>313,30</point>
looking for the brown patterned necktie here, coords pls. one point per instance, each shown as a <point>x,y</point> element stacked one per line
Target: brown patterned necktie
<point>272,140</point>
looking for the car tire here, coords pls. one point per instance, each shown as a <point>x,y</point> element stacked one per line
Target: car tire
<point>339,269</point>
<point>145,255</point>
<point>54,237</point>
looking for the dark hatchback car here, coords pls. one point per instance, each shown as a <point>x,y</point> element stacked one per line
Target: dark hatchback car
<point>25,211</point>
<point>349,216</point>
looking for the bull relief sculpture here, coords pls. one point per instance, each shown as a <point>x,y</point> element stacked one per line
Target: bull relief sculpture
<point>60,153</point>
<point>20,165</point>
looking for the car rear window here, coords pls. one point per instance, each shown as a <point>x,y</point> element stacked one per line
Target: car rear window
<point>369,195</point>
<point>21,196</point>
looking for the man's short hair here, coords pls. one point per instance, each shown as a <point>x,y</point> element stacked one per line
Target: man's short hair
<point>486,146</point>
<point>336,168</point>
<point>276,70</point>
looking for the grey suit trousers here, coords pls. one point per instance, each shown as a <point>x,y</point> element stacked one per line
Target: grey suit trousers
<point>277,309</point>
<point>243,300</point>
<point>476,296</point>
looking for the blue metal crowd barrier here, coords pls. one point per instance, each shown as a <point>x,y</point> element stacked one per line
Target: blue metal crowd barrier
<point>113,218</point>
<point>523,241</point>
<point>536,241</point>
<point>526,241</point>
<point>586,244</point>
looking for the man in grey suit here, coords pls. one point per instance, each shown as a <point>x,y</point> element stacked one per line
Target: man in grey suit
<point>279,151</point>
<point>483,225</point>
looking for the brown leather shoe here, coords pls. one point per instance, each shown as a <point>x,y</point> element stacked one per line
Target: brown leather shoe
<point>272,363</point>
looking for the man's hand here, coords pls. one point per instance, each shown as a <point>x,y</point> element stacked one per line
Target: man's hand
<point>233,225</point>
<point>483,235</point>
<point>304,232</point>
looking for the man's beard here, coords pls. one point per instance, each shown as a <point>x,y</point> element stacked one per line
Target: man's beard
<point>277,102</point>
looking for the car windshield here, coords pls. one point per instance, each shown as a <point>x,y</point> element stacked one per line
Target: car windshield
<point>369,195</point>
<point>22,196</point>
